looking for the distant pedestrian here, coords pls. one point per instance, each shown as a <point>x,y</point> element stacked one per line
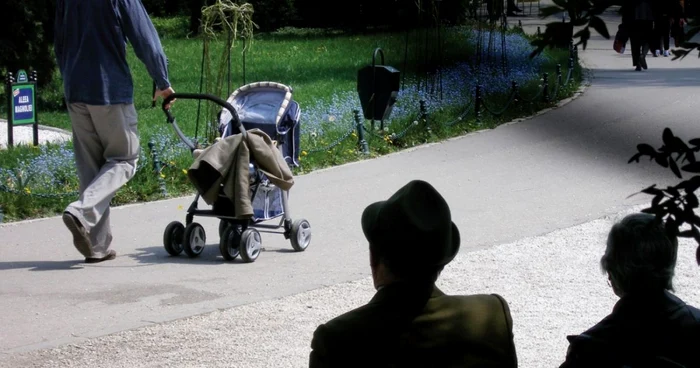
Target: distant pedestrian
<point>663,16</point>
<point>639,16</point>
<point>678,21</point>
<point>90,46</point>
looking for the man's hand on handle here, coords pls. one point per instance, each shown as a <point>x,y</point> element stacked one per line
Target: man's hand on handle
<point>165,93</point>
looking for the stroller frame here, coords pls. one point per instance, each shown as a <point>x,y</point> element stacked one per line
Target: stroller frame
<point>237,236</point>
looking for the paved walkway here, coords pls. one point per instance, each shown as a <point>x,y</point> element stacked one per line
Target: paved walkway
<point>560,169</point>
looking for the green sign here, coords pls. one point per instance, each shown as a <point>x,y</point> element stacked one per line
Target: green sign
<point>23,102</point>
<point>22,76</point>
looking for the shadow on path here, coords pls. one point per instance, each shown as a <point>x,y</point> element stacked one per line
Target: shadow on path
<point>42,265</point>
<point>210,255</point>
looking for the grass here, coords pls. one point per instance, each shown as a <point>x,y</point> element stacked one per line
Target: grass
<point>322,68</point>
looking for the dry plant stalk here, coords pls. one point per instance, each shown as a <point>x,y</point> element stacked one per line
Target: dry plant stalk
<point>236,19</point>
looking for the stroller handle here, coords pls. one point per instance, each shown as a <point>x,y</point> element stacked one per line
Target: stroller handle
<point>199,96</point>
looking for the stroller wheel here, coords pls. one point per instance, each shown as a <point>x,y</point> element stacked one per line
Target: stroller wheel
<point>194,240</point>
<point>251,245</point>
<point>230,242</point>
<point>223,224</point>
<point>172,238</point>
<point>300,235</point>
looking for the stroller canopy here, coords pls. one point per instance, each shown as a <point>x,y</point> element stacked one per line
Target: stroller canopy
<point>259,103</point>
<point>267,106</point>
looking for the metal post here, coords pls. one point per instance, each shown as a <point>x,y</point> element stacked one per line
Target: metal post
<point>33,78</point>
<point>405,61</point>
<point>439,47</point>
<point>244,52</point>
<point>477,103</point>
<point>228,62</point>
<point>361,132</point>
<point>424,116</point>
<point>571,48</point>
<point>559,79</point>
<point>514,87</point>
<point>10,79</point>
<point>157,167</point>
<point>545,87</point>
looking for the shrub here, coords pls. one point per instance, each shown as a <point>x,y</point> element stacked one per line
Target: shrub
<point>379,13</point>
<point>271,15</point>
<point>27,38</point>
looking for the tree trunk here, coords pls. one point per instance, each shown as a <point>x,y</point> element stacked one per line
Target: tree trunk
<point>196,15</point>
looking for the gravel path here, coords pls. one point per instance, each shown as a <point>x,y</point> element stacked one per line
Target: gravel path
<point>23,134</point>
<point>552,282</point>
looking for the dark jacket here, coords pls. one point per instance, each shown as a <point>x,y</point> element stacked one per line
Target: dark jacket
<point>398,328</point>
<point>667,9</point>
<point>90,46</point>
<point>641,329</point>
<point>633,10</point>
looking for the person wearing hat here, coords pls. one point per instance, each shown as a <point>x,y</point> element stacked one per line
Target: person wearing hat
<point>409,322</point>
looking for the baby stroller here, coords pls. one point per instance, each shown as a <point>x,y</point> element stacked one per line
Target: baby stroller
<point>267,106</point>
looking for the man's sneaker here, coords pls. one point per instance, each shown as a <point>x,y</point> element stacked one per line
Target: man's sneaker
<point>81,239</point>
<point>667,53</point>
<point>657,53</point>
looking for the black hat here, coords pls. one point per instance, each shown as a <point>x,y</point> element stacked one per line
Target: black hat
<point>413,228</point>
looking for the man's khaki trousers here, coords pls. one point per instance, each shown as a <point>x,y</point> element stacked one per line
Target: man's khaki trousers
<point>106,144</point>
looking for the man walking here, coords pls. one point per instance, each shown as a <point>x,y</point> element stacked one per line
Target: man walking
<point>90,46</point>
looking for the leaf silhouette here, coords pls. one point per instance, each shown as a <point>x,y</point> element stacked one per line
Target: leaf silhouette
<point>635,158</point>
<point>690,185</point>
<point>646,149</point>
<point>695,142</point>
<point>550,10</point>
<point>667,137</point>
<point>679,145</point>
<point>673,191</point>
<point>662,160</point>
<point>674,168</point>
<point>692,200</point>
<point>652,190</point>
<point>689,155</point>
<point>693,167</point>
<point>599,26</point>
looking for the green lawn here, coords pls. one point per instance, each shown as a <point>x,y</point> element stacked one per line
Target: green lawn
<point>322,70</point>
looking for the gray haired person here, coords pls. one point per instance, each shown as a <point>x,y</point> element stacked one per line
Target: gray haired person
<point>649,326</point>
<point>90,45</point>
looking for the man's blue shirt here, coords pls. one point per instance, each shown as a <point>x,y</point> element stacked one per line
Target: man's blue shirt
<point>90,45</point>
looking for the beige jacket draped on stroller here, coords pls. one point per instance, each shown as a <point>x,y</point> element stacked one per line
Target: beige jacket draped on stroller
<point>226,163</point>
